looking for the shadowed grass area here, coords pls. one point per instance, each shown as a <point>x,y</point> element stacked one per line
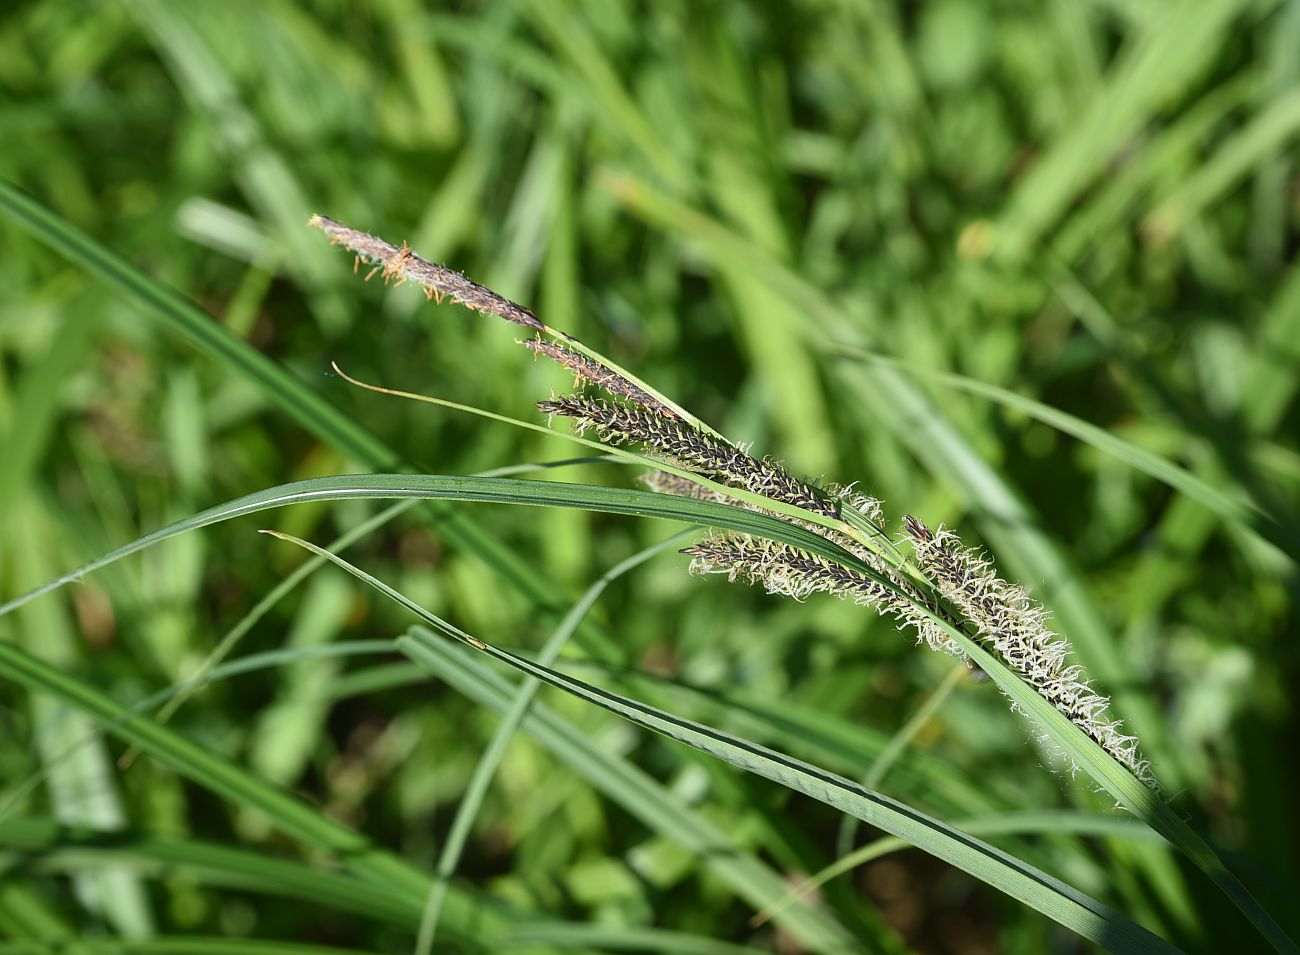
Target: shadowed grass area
<point>1027,270</point>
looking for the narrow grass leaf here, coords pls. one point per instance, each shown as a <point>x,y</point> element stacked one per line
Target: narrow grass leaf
<point>484,489</point>
<point>1035,888</point>
<point>490,759</point>
<point>52,846</point>
<point>1023,882</point>
<point>176,945</point>
<point>1058,822</point>
<point>611,938</point>
<point>291,816</point>
<point>643,797</point>
<point>1265,136</point>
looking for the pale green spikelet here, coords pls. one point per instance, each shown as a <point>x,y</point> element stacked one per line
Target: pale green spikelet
<point>665,482</point>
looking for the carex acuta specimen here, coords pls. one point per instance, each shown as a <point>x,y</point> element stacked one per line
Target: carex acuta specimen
<point>926,580</point>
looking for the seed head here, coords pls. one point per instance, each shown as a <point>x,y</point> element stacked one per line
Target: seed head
<point>620,424</point>
<point>967,592</point>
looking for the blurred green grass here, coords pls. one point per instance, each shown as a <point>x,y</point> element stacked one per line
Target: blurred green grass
<point>1090,204</point>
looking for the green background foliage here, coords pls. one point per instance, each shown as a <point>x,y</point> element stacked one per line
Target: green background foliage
<point>1091,205</point>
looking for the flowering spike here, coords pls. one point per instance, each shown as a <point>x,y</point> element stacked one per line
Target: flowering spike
<point>404,265</point>
<point>586,368</point>
<point>792,572</point>
<point>960,587</point>
<point>1011,624</point>
<point>620,424</point>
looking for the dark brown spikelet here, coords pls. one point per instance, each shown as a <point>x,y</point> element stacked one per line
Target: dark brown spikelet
<point>586,368</point>
<point>404,265</point>
<point>621,424</point>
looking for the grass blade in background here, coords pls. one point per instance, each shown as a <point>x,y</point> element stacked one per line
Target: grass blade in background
<point>1231,508</point>
<point>176,945</point>
<point>71,848</point>
<point>465,917</point>
<point>1159,61</point>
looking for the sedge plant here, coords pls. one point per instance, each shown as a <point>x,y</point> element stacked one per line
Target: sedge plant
<point>925,579</point>
<point>794,537</point>
<point>826,539</point>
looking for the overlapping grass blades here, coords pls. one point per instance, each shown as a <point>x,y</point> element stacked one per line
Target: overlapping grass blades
<point>1234,508</point>
<point>458,835</point>
<point>1101,767</point>
<point>1147,149</point>
<point>1029,885</point>
<point>465,916</point>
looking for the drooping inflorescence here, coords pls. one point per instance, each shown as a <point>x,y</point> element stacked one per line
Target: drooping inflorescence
<point>792,572</point>
<point>945,583</point>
